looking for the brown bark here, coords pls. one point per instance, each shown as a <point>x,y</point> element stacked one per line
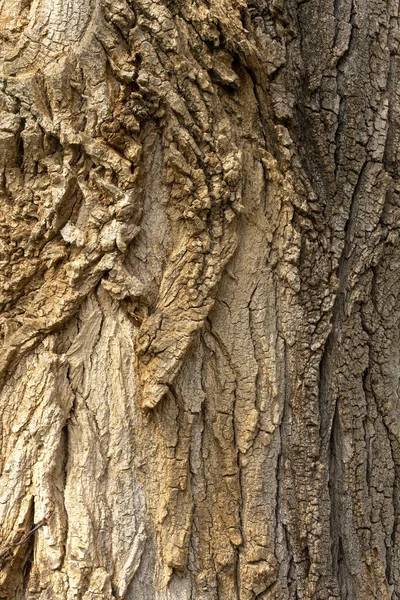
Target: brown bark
<point>199,297</point>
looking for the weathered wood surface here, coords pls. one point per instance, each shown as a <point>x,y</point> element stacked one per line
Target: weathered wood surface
<point>199,288</point>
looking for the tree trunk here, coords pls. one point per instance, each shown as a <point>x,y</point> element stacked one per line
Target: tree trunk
<point>200,300</point>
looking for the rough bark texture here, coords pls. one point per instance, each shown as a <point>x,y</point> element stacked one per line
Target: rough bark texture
<point>199,299</point>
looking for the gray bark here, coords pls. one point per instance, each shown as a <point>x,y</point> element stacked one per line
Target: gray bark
<point>199,292</point>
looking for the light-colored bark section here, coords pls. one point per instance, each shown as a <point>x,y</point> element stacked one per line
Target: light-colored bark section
<point>200,300</point>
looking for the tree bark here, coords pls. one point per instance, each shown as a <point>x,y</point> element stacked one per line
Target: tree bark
<point>199,294</point>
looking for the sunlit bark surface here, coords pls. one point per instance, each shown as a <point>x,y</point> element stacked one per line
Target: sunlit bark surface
<point>199,289</point>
